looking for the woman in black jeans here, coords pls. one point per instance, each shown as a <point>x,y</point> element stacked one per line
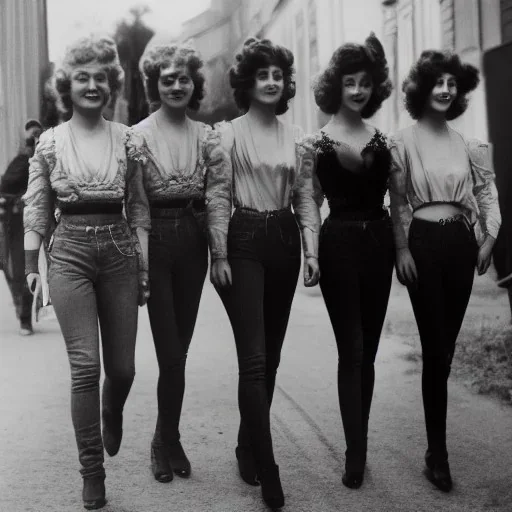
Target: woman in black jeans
<point>256,252</point>
<point>442,188</point>
<point>178,249</point>
<point>352,164</point>
<point>89,168</point>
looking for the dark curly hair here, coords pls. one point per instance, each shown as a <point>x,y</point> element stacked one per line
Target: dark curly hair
<point>348,59</point>
<point>86,50</point>
<point>160,57</point>
<point>258,54</point>
<point>423,76</point>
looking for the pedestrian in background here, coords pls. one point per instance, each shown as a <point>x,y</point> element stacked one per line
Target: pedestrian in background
<point>89,168</point>
<point>446,218</point>
<point>13,185</point>
<point>178,249</point>
<point>351,163</point>
<point>256,251</point>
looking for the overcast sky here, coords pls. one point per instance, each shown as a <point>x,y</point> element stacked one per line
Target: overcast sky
<point>68,19</point>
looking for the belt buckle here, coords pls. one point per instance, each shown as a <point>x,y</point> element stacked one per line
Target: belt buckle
<point>442,222</point>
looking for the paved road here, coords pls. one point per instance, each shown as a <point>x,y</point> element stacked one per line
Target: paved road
<point>38,462</point>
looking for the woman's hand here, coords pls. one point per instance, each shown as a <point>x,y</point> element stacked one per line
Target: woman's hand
<point>484,255</point>
<point>405,267</point>
<point>34,283</point>
<point>311,271</point>
<point>220,273</point>
<point>144,292</point>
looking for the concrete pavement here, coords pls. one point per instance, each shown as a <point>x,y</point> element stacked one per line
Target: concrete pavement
<point>38,459</point>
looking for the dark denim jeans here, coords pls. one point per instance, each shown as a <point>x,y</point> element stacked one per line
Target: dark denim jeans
<point>356,265</point>
<point>445,258</point>
<point>178,261</point>
<point>265,257</point>
<point>14,264</point>
<point>93,276</point>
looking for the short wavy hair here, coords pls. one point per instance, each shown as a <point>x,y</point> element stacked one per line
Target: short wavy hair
<point>423,75</point>
<point>256,54</point>
<point>348,59</point>
<point>161,57</point>
<point>99,49</point>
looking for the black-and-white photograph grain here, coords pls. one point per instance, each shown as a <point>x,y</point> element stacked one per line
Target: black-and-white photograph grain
<point>256,255</point>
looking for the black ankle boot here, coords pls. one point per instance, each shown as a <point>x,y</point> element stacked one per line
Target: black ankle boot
<point>179,461</point>
<point>438,472</point>
<point>271,489</point>
<point>160,466</point>
<point>93,493</point>
<point>246,465</point>
<point>112,432</point>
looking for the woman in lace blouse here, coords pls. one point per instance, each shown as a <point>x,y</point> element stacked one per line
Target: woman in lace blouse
<point>89,169</point>
<point>178,250</point>
<point>446,218</point>
<point>256,252</point>
<point>351,169</point>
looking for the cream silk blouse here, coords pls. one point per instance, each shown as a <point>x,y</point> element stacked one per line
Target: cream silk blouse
<point>469,184</point>
<point>238,176</point>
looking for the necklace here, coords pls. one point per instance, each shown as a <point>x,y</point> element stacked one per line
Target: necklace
<point>181,158</point>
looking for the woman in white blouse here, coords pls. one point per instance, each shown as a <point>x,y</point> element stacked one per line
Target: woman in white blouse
<point>90,170</point>
<point>446,218</point>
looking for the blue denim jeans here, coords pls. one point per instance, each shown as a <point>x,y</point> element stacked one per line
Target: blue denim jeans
<point>265,256</point>
<point>356,265</point>
<point>178,261</point>
<point>93,276</point>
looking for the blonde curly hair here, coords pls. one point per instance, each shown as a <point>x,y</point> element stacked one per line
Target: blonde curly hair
<point>160,57</point>
<point>99,49</point>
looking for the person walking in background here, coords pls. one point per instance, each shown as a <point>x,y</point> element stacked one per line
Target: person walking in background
<point>13,185</point>
<point>256,251</point>
<point>446,218</point>
<point>351,169</point>
<point>178,249</point>
<point>89,168</point>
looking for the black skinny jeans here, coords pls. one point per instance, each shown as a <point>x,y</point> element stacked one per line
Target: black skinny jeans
<point>93,276</point>
<point>264,254</point>
<point>178,261</point>
<point>445,258</point>
<point>356,261</point>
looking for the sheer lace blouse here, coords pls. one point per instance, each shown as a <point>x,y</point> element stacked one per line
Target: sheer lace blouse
<point>161,179</point>
<point>239,176</point>
<point>468,184</point>
<point>59,175</point>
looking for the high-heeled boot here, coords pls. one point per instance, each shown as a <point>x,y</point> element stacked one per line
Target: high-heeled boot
<point>271,488</point>
<point>93,493</point>
<point>179,461</point>
<point>160,466</point>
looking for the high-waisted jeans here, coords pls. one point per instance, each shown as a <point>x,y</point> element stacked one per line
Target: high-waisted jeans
<point>264,255</point>
<point>356,261</point>
<point>445,258</point>
<point>178,261</point>
<point>93,276</point>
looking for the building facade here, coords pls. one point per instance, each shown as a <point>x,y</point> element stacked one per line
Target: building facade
<point>23,65</point>
<point>469,27</point>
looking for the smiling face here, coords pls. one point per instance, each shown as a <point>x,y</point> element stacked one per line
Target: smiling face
<point>90,89</point>
<point>356,90</point>
<point>268,86</point>
<point>175,86</point>
<point>443,93</point>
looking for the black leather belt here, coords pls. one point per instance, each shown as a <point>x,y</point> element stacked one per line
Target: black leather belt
<point>90,208</point>
<point>196,204</point>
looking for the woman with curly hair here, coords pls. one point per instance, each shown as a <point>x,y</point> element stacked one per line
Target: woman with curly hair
<point>89,169</point>
<point>256,251</point>
<point>178,249</point>
<point>351,164</point>
<point>442,188</point>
